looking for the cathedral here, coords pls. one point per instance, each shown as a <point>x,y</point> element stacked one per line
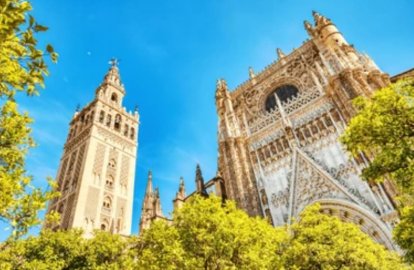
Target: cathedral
<point>277,141</point>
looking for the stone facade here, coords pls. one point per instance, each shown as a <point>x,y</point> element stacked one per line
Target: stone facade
<point>278,135</point>
<point>97,168</point>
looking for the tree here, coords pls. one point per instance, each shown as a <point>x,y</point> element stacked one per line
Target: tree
<point>160,248</point>
<point>404,233</point>
<point>206,234</point>
<point>22,69</point>
<point>383,128</point>
<point>49,250</point>
<point>319,241</point>
<point>108,251</point>
<point>67,250</point>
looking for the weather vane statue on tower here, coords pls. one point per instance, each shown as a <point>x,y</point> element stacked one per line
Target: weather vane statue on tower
<point>114,62</point>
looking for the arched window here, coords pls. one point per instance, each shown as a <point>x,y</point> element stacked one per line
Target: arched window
<point>132,134</point>
<point>109,182</point>
<point>108,120</point>
<point>117,124</point>
<point>112,163</point>
<point>105,225</point>
<point>126,129</point>
<point>284,93</point>
<point>114,97</point>
<point>101,116</point>
<point>107,202</point>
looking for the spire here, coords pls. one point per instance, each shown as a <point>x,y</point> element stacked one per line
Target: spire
<point>180,196</point>
<point>200,182</point>
<point>181,190</point>
<point>148,210</point>
<point>157,203</point>
<point>148,190</point>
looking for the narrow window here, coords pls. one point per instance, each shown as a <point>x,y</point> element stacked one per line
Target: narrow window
<point>117,124</point>
<point>101,116</point>
<point>108,120</point>
<point>126,129</point>
<point>132,134</point>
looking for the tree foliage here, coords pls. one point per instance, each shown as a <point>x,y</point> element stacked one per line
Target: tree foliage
<point>67,250</point>
<point>384,129</point>
<point>208,235</point>
<point>22,69</point>
<point>22,63</point>
<point>324,242</point>
<point>205,234</point>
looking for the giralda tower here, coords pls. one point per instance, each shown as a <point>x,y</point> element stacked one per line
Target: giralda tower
<point>97,168</point>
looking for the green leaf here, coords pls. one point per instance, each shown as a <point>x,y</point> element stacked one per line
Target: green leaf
<point>40,28</point>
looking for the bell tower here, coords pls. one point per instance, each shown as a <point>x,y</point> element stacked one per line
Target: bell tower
<point>97,168</point>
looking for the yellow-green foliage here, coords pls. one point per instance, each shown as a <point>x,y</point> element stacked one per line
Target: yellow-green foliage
<point>208,235</point>
<point>22,69</point>
<point>67,250</point>
<point>319,241</point>
<point>22,65</point>
<point>384,129</point>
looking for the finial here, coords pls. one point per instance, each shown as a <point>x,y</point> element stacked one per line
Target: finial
<point>199,174</point>
<point>319,19</point>
<point>181,187</point>
<point>308,27</point>
<point>114,62</point>
<point>218,84</point>
<point>77,108</point>
<point>251,73</point>
<point>280,54</point>
<point>221,83</point>
<point>136,109</point>
<point>315,15</point>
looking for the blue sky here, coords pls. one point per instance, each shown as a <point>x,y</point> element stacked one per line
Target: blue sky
<point>171,53</point>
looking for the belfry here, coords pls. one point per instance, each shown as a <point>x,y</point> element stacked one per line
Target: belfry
<point>97,168</point>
